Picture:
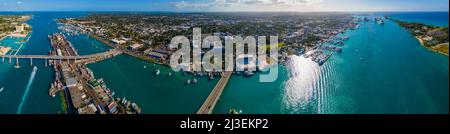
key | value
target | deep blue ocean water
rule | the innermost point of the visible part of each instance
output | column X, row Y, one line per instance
column 429, row 18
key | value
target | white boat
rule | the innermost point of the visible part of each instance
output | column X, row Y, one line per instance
column 194, row 81
column 170, row 74
column 17, row 66
column 145, row 66
column 188, row 82
column 248, row 73
column 157, row 72
column 1, row 89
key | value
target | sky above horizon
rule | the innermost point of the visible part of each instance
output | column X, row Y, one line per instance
column 224, row 5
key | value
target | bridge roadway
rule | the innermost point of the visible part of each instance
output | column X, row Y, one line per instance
column 211, row 101
column 206, row 108
column 49, row 57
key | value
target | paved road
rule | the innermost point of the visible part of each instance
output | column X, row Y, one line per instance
column 210, row 102
column 49, row 57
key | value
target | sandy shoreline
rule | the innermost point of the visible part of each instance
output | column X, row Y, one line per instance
column 431, row 48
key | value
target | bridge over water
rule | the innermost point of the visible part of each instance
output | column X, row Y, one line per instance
column 211, row 101
column 206, row 108
column 109, row 53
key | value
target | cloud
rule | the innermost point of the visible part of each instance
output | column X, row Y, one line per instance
column 250, row 5
column 19, row 2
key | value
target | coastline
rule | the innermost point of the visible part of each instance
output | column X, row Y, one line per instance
column 106, row 42
column 432, row 48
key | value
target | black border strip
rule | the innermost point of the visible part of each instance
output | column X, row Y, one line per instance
column 276, row 122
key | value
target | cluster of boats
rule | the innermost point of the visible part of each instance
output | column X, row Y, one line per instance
column 193, row 81
column 379, row 20
column 331, row 48
column 245, row 73
column 70, row 29
column 337, row 40
column 234, row 111
column 189, row 81
column 129, row 105
column 318, row 56
column 365, row 19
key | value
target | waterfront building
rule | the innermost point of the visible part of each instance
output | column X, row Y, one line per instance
column 118, row 42
column 135, row 47
column 20, row 28
column 4, row 50
column 155, row 54
column 88, row 109
column 71, row 82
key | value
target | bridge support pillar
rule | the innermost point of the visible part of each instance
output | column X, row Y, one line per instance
column 31, row 61
column 45, row 62
column 17, row 63
column 9, row 59
column 3, row 58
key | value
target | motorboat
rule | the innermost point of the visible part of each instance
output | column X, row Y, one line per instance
column 157, row 72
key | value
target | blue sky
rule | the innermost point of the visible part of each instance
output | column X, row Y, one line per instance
column 224, row 5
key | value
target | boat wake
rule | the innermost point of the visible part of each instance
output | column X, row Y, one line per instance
column 27, row 90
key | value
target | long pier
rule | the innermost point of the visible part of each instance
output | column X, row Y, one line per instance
column 211, row 101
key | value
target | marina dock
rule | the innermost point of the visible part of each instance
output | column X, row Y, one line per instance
column 83, row 94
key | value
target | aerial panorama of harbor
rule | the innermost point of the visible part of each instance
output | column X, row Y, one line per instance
column 329, row 63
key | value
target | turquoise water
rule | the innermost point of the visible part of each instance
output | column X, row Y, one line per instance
column 128, row 77
column 15, row 81
column 13, row 42
column 396, row 75
column 86, row 45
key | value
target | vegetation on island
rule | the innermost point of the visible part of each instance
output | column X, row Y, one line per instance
column 432, row 37
column 9, row 24
column 14, row 26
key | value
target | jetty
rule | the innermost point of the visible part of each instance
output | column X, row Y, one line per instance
column 211, row 101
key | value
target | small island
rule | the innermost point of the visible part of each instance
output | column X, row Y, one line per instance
column 432, row 37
